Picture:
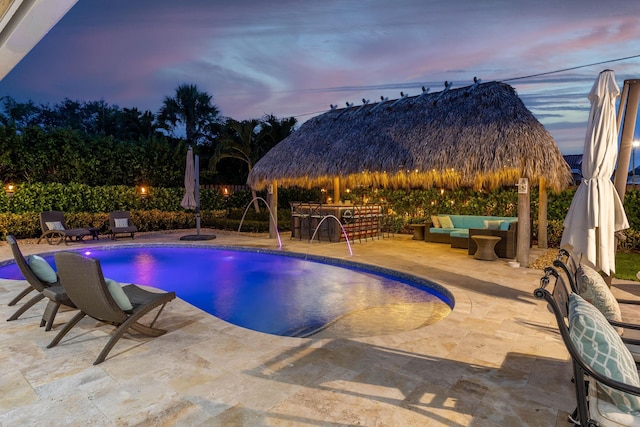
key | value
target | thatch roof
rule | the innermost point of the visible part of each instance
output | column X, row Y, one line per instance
column 481, row 136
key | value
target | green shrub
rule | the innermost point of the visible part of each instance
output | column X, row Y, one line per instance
column 160, row 209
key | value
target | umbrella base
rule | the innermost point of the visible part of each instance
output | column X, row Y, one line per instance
column 196, row 237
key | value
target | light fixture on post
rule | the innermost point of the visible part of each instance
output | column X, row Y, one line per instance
column 143, row 193
column 9, row 190
column 226, row 193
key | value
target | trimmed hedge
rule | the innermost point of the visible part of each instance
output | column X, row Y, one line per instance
column 27, row 225
column 160, row 210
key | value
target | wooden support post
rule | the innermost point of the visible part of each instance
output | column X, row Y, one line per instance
column 628, row 110
column 336, row 189
column 273, row 205
column 524, row 222
column 542, row 214
column 632, row 90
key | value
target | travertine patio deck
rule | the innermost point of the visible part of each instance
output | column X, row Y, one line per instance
column 495, row 361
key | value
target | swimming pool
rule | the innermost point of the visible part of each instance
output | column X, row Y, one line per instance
column 273, row 292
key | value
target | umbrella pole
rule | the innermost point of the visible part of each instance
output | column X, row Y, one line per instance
column 197, row 192
column 192, row 198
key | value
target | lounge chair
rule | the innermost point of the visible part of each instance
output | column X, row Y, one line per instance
column 54, row 229
column 588, row 283
column 604, row 373
column 57, row 295
column 85, row 284
column 120, row 223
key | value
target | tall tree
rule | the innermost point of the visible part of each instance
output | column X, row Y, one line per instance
column 192, row 110
column 274, row 130
column 20, row 115
column 240, row 142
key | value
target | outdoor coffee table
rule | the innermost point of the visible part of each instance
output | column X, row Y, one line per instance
column 418, row 231
column 486, row 247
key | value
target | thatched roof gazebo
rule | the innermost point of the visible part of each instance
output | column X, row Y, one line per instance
column 481, row 136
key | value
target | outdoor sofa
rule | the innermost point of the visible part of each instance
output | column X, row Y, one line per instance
column 458, row 229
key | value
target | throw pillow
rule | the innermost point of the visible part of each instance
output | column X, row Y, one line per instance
column 603, row 350
column 54, row 225
column 445, row 221
column 593, row 288
column 121, row 222
column 42, row 269
column 115, row 289
column 435, row 221
column 504, row 226
column 491, row 224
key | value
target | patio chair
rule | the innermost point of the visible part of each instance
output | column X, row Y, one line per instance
column 57, row 295
column 588, row 283
column 54, row 229
column 120, row 223
column 85, row 284
column 605, row 375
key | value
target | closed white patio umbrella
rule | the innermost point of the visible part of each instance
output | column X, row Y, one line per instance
column 596, row 211
column 191, row 199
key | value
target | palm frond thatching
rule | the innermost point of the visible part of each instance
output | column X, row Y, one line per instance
column 480, row 136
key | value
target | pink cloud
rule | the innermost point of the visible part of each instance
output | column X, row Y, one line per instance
column 288, row 58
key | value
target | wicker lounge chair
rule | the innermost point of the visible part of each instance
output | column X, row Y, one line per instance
column 595, row 405
column 598, row 293
column 82, row 278
column 54, row 229
column 57, row 295
column 120, row 223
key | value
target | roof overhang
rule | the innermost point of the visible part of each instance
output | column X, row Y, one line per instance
column 23, row 23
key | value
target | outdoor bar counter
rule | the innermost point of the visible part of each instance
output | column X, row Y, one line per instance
column 359, row 221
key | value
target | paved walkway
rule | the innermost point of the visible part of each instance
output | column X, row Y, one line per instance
column 496, row 360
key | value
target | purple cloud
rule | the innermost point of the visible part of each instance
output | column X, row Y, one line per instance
column 290, row 58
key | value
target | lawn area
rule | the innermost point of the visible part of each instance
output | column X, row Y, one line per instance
column 627, row 265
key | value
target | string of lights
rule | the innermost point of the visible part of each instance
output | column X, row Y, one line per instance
column 546, row 73
column 562, row 70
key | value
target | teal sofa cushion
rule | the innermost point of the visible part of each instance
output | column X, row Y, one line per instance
column 441, row 230
column 478, row 221
column 460, row 233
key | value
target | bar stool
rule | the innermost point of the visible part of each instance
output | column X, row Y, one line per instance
column 385, row 220
column 296, row 220
column 315, row 212
column 360, row 221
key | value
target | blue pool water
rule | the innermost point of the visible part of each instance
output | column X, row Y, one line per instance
column 268, row 292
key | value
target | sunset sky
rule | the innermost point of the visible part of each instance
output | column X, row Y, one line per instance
column 295, row 58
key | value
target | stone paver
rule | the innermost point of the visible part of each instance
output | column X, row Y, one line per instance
column 496, row 360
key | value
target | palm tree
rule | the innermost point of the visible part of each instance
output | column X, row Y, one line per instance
column 189, row 108
column 240, row 142
column 249, row 140
column 274, row 130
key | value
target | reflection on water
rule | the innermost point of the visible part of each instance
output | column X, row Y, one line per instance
column 278, row 294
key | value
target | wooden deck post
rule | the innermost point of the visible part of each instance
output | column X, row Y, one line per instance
column 336, row 189
column 524, row 222
column 542, row 213
column 273, row 205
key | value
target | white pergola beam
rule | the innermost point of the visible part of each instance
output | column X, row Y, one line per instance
column 23, row 24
